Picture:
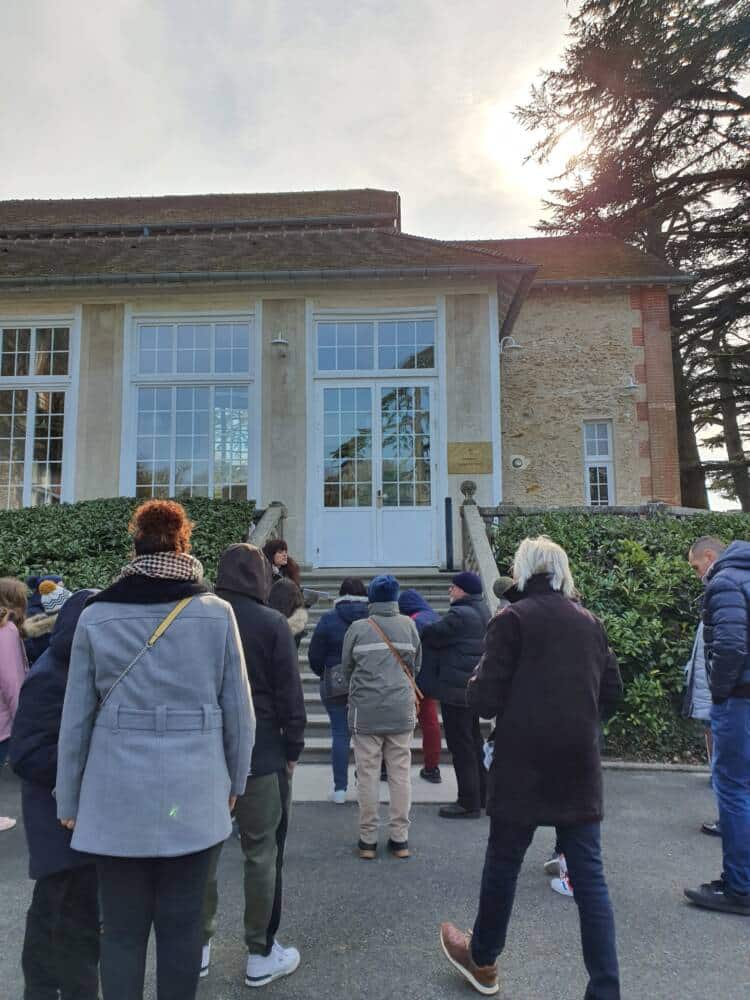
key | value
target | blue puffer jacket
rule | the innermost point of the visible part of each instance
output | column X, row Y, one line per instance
column 328, row 637
column 726, row 617
column 33, row 747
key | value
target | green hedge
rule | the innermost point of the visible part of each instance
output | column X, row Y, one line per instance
column 87, row 543
column 633, row 573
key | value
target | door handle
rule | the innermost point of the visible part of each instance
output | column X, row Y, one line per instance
column 379, row 498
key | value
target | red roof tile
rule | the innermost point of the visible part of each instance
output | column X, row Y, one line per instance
column 576, row 258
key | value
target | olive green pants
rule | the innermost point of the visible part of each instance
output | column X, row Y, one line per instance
column 262, row 814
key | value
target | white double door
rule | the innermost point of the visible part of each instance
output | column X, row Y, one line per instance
column 376, row 500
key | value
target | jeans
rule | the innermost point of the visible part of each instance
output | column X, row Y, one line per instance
column 730, row 725
column 464, row 739
column 582, row 848
column 262, row 814
column 136, row 893
column 337, row 713
column 61, row 944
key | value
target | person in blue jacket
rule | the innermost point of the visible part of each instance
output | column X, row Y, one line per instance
column 61, row 945
column 325, row 651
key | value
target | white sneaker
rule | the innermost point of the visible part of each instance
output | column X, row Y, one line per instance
column 552, row 867
column 562, row 885
column 263, row 969
column 338, row 796
column 205, row 959
column 6, row 823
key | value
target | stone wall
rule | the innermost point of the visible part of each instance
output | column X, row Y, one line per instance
column 578, row 351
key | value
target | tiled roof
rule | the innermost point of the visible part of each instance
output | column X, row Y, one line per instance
column 201, row 208
column 262, row 256
column 577, row 258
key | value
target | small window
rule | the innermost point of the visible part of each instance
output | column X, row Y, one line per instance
column 599, row 477
column 387, row 345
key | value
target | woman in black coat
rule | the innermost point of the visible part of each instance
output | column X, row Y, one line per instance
column 61, row 946
column 546, row 672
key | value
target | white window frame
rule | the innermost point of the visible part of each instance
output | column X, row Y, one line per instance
column 375, row 316
column 599, row 460
column 34, row 384
column 133, row 381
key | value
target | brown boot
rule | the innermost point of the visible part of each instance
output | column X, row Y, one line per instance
column 367, row 852
column 456, row 946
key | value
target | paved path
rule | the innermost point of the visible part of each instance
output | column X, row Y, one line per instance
column 368, row 931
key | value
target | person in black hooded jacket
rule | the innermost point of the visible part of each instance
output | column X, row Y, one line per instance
column 262, row 812
column 61, row 945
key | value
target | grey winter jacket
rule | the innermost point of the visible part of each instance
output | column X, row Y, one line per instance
column 698, row 694
column 150, row 774
column 381, row 699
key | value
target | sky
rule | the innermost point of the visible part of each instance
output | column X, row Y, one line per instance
column 144, row 97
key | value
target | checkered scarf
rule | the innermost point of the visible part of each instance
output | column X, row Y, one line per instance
column 165, row 566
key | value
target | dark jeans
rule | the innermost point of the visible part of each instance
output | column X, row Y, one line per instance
column 61, row 945
column 136, row 893
column 464, row 739
column 337, row 713
column 262, row 814
column 582, row 848
column 730, row 725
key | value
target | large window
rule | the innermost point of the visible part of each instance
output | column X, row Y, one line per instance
column 193, row 386
column 599, row 475
column 383, row 345
column 35, row 378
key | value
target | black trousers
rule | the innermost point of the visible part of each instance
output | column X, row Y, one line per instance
column 464, row 739
column 139, row 892
column 61, row 944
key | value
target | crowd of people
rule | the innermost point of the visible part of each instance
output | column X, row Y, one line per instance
column 145, row 717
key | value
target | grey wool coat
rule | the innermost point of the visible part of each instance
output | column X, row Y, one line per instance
column 150, row 774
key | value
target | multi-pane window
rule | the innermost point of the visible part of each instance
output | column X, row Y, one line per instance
column 347, row 421
column 598, row 463
column 405, row 429
column 385, row 345
column 193, row 410
column 34, row 387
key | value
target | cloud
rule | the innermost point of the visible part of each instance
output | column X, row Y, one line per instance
column 147, row 97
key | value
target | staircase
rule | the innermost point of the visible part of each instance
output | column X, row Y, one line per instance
column 431, row 583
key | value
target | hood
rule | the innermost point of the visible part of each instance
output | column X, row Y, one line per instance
column 298, row 621
column 38, row 625
column 383, row 608
column 735, row 556
column 35, row 600
column 350, row 608
column 61, row 639
column 411, row 602
column 244, row 569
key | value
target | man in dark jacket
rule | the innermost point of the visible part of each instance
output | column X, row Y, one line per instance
column 61, row 946
column 545, row 675
column 451, row 650
column 244, row 581
column 726, row 632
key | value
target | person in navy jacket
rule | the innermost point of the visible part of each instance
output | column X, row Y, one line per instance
column 726, row 633
column 325, row 651
column 61, row 945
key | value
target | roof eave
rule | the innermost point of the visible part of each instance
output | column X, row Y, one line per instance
column 649, row 279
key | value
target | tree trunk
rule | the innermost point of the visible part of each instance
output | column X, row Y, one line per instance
column 729, row 420
column 692, row 477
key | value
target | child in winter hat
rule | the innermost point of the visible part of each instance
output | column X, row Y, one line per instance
column 54, row 595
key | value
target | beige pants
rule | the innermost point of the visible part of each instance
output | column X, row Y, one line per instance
column 395, row 749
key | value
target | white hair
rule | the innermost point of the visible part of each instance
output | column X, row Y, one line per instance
column 542, row 555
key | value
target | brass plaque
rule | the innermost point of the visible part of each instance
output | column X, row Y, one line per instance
column 470, row 458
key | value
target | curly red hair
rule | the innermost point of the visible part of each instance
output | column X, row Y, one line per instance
column 160, row 526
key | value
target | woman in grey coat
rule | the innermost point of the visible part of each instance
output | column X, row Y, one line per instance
column 155, row 744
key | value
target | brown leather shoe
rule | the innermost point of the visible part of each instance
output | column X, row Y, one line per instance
column 456, row 946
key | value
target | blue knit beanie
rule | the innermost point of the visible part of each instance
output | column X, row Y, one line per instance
column 383, row 589
column 470, row 583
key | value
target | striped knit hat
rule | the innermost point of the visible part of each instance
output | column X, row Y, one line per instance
column 54, row 595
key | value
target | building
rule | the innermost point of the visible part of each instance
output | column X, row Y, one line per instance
column 300, row 347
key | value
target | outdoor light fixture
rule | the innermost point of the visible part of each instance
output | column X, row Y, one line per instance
column 280, row 345
column 509, row 344
column 630, row 385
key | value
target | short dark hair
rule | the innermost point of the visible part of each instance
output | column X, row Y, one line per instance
column 160, row 526
column 352, row 586
column 706, row 543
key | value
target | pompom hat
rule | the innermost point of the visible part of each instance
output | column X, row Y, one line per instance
column 54, row 595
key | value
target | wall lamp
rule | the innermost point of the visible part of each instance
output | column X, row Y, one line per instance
column 631, row 386
column 280, row 345
column 509, row 344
